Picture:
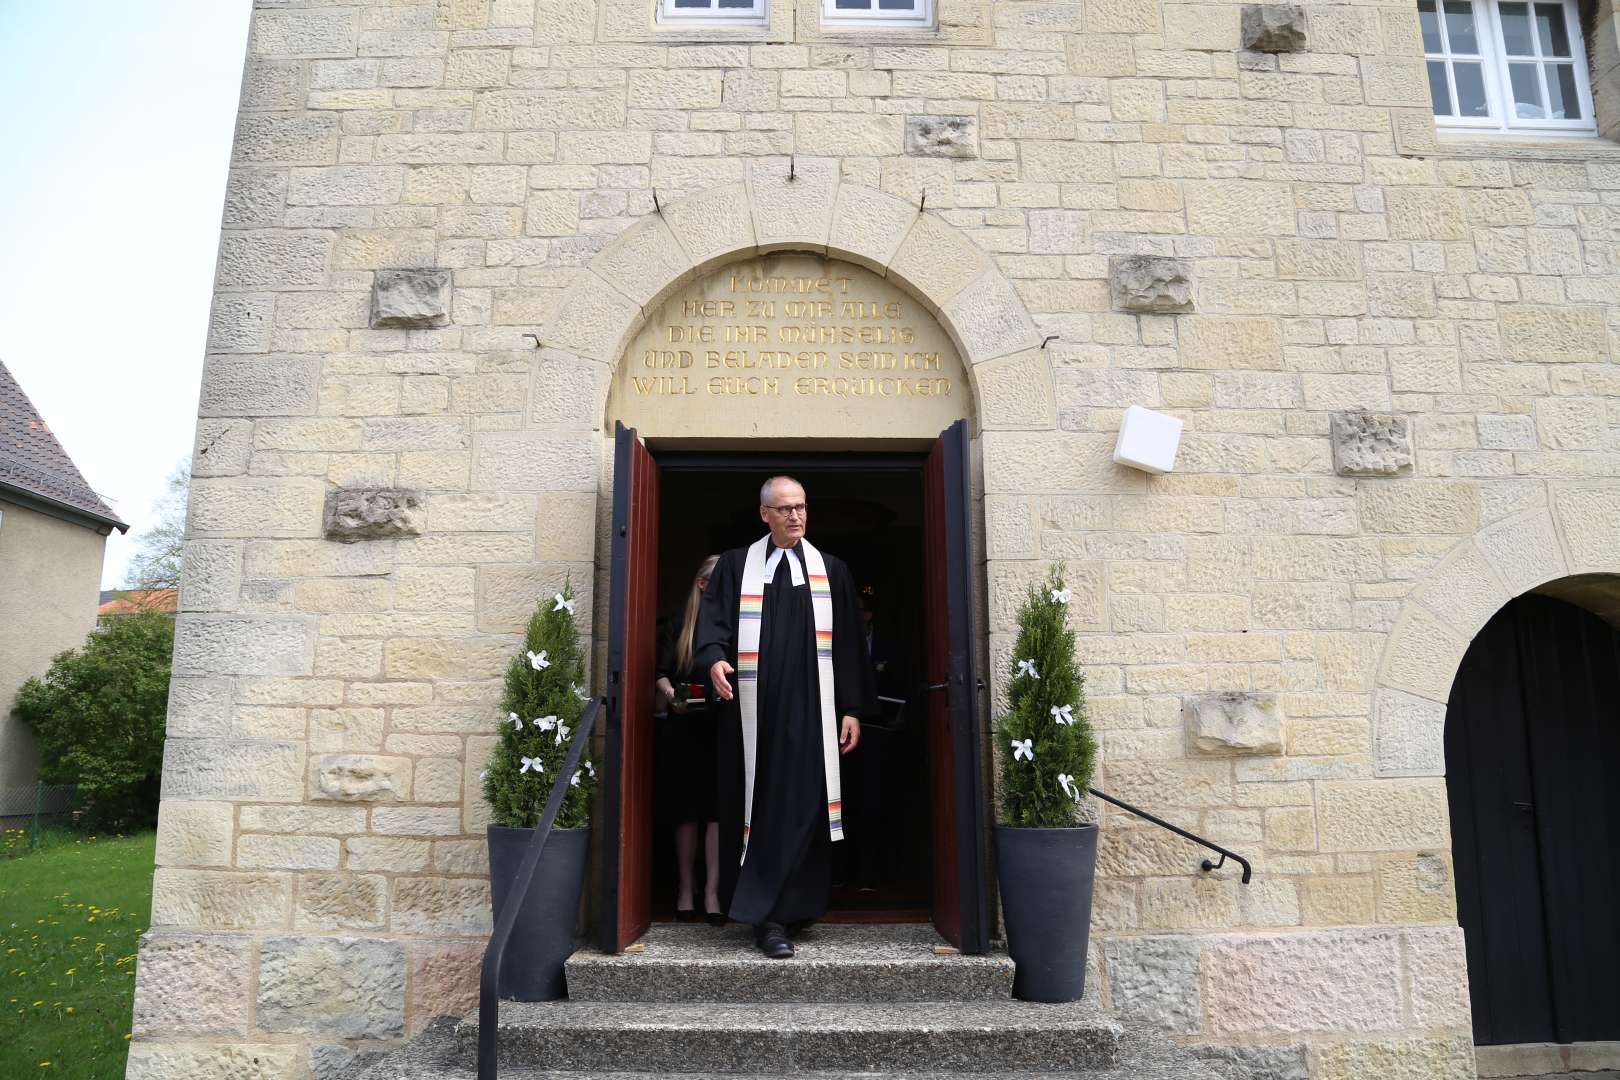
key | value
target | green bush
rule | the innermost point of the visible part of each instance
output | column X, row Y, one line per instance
column 99, row 718
column 541, row 706
column 1036, row 742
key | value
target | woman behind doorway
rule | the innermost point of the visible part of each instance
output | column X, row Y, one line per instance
column 686, row 758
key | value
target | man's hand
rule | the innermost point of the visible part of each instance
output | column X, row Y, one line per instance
column 850, row 737
column 717, row 675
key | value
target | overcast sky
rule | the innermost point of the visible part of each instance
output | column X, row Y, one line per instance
column 115, row 134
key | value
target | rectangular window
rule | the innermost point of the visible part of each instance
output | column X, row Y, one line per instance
column 1507, row 65
column 711, row 12
column 905, row 13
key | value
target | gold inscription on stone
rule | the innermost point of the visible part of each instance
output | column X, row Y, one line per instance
column 781, row 333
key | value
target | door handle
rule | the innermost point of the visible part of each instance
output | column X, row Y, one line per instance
column 930, row 688
column 1525, row 808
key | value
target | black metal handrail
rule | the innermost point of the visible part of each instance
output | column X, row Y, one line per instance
column 489, row 982
column 1183, row 833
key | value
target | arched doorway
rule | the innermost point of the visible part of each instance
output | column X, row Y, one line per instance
column 1532, row 752
column 792, row 362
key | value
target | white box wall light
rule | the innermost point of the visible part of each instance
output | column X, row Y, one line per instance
column 1148, row 440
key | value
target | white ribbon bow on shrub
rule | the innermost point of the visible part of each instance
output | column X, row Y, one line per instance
column 1025, row 749
column 573, row 781
column 1063, row 714
column 579, row 692
column 1060, row 595
column 562, row 732
column 531, row 763
column 1027, row 667
column 545, row 723
column 564, row 605
column 1066, row 782
column 517, row 721
column 538, row 660
column 591, row 769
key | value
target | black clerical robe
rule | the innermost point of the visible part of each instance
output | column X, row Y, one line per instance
column 787, row 873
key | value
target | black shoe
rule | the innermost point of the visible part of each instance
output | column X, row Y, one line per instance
column 685, row 914
column 772, row 941
column 715, row 918
column 799, row 926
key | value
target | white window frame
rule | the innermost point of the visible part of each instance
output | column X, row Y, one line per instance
column 713, row 15
column 1494, row 61
column 921, row 16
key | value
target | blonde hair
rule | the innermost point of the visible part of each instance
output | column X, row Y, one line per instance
column 694, row 599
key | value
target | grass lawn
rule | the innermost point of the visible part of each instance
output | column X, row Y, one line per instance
column 70, row 914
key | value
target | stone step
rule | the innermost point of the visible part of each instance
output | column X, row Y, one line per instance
column 765, row 1039
column 438, row 1054
column 834, row 964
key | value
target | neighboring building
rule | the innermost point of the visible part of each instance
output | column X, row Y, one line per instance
column 119, row 602
column 1367, row 253
column 53, row 532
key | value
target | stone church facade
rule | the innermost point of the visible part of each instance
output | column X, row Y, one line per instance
column 446, row 225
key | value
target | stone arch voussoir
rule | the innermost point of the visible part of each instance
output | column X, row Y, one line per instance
column 1576, row 532
column 811, row 211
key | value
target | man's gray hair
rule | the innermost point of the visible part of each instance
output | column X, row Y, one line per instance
column 765, row 495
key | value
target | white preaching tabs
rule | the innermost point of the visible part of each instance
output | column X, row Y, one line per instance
column 793, row 565
column 1148, row 440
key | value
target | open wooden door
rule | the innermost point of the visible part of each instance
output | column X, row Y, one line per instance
column 956, row 778
column 627, row 790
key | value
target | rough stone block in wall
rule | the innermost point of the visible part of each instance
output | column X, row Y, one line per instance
column 410, row 298
column 942, row 136
column 1234, row 722
column 1155, row 980
column 1150, row 283
column 360, row 778
column 1370, row 444
column 355, row 514
column 1273, row 28
column 193, row 984
column 343, row 988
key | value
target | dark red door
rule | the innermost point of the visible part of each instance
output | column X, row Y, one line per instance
column 627, row 794
column 956, row 779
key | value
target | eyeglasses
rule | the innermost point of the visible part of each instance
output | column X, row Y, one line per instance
column 796, row 510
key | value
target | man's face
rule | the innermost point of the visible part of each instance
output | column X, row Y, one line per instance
column 785, row 513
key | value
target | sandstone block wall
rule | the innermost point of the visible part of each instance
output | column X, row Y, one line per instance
column 334, row 701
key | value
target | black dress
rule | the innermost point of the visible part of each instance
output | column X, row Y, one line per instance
column 788, row 870
column 684, row 762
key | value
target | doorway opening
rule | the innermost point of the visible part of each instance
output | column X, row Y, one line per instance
column 1532, row 746
column 867, row 509
column 914, row 790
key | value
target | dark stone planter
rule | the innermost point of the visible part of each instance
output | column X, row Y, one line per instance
column 543, row 937
column 1046, row 877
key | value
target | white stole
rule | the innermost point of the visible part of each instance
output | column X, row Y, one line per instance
column 750, row 613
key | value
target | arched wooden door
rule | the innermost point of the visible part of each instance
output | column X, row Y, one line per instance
column 1533, row 776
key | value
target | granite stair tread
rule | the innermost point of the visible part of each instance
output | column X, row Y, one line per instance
column 441, row 1053
column 834, row 963
column 727, row 1037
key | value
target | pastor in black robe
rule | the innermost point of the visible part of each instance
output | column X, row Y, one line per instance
column 788, row 870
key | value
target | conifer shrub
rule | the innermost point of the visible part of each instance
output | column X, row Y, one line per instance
column 1044, row 741
column 544, row 697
